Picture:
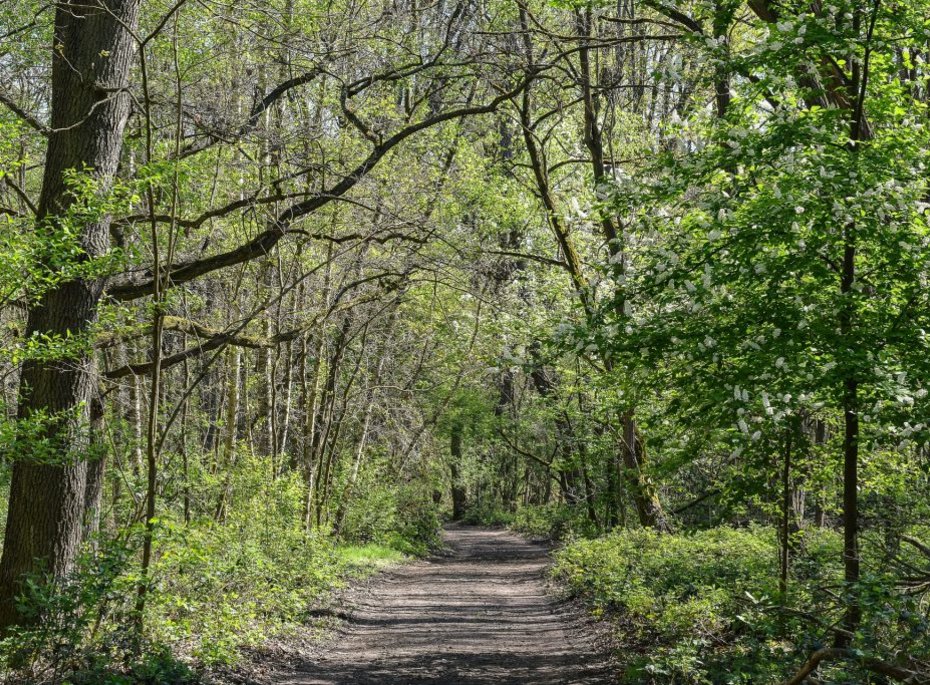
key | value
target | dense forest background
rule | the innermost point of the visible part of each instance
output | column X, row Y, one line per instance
column 284, row 284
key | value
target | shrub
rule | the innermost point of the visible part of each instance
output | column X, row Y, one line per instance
column 418, row 527
column 487, row 513
column 552, row 521
column 691, row 607
column 215, row 587
column 704, row 607
column 402, row 516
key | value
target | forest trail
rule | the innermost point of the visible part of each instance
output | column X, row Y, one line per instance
column 480, row 615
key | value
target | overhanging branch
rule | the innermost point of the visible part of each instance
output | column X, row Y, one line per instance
column 282, row 225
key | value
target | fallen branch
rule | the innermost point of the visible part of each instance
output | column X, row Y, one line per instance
column 869, row 663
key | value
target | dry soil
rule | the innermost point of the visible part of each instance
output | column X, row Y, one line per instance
column 478, row 615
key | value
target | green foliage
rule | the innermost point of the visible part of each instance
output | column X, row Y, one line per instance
column 687, row 606
column 216, row 587
column 553, row 521
column 400, row 516
column 704, row 607
column 368, row 556
column 487, row 512
column 724, row 323
column 417, row 529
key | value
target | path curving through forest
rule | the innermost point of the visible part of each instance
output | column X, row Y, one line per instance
column 479, row 615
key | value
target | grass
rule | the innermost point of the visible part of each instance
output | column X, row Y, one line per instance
column 368, row 558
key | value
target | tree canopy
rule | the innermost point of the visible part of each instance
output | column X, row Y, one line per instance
column 286, row 284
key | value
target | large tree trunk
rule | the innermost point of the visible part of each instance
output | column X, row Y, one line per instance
column 645, row 496
column 90, row 69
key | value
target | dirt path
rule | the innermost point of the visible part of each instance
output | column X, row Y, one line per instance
column 478, row 616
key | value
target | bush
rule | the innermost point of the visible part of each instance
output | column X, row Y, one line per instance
column 215, row 587
column 704, row 607
column 418, row 529
column 487, row 513
column 551, row 521
column 692, row 608
column 399, row 515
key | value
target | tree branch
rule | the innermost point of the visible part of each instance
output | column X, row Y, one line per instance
column 262, row 244
column 23, row 114
column 258, row 109
column 869, row 663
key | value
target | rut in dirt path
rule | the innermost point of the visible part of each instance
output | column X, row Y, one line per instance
column 478, row 616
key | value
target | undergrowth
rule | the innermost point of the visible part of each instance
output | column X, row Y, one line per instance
column 217, row 587
column 704, row 607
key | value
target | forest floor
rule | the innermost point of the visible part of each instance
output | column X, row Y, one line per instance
column 481, row 613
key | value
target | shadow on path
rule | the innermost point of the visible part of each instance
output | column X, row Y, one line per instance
column 477, row 617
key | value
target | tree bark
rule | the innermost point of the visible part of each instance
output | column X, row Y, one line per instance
column 89, row 106
column 785, row 559
column 96, row 470
column 232, row 429
column 370, row 400
column 458, row 488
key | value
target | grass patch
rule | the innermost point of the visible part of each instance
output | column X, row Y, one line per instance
column 368, row 558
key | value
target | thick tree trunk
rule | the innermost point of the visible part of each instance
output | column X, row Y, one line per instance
column 851, row 510
column 723, row 18
column 645, row 498
column 847, row 320
column 90, row 69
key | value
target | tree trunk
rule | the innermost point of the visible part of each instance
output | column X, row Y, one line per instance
column 632, row 450
column 325, row 420
column 265, row 443
column 785, row 520
column 311, row 411
column 370, row 400
column 458, row 488
column 356, row 467
column 96, row 470
column 232, row 429
column 648, row 507
column 91, row 60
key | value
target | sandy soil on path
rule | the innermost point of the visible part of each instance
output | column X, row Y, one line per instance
column 477, row 616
